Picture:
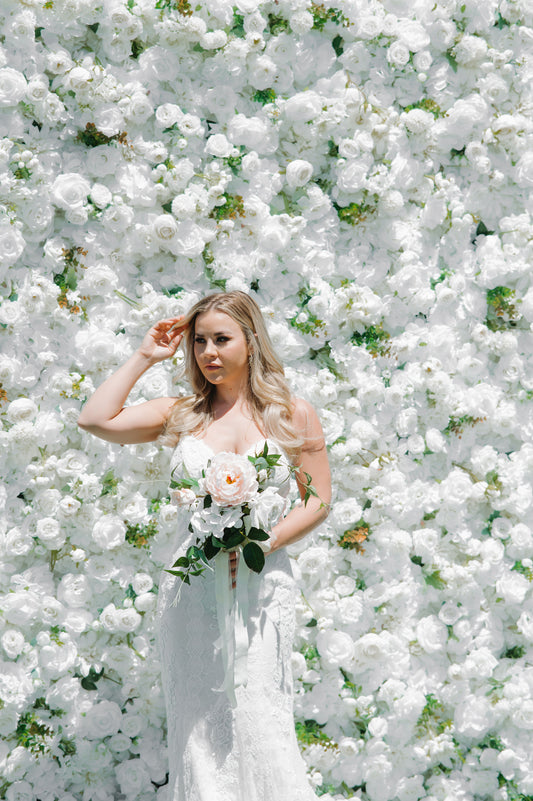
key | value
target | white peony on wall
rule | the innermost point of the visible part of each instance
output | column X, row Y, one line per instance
column 365, row 170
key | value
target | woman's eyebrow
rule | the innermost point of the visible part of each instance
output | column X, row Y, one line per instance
column 217, row 334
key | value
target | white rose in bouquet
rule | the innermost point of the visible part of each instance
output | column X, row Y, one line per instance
column 184, row 497
column 267, row 509
column 215, row 518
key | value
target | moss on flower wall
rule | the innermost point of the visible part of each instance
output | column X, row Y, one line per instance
column 364, row 169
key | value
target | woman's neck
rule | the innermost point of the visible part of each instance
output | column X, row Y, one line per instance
column 227, row 397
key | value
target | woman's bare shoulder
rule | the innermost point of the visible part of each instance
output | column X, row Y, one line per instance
column 305, row 419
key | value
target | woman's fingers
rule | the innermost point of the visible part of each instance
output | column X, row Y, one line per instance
column 168, row 332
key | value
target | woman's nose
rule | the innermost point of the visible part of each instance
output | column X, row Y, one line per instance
column 210, row 348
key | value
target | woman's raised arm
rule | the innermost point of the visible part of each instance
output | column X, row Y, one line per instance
column 104, row 414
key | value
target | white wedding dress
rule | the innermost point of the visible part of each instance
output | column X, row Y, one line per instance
column 219, row 749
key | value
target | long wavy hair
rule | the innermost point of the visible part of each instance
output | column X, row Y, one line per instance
column 269, row 397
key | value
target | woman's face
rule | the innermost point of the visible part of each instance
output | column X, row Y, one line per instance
column 220, row 348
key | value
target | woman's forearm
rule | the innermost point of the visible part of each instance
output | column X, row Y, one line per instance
column 299, row 522
column 109, row 398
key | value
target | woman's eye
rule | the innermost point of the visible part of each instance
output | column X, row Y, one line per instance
column 222, row 339
column 198, row 339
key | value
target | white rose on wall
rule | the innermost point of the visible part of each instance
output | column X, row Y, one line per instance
column 432, row 634
column 109, row 532
column 49, row 532
column 218, row 145
column 103, row 719
column 11, row 244
column 298, row 173
column 12, row 86
column 12, row 642
column 336, row 649
column 69, row 191
column 252, row 132
column 134, row 778
column 74, row 590
column 364, row 240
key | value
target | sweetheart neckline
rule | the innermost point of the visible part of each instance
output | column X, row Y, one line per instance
column 246, row 452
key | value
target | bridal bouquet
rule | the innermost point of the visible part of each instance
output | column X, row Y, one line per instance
column 232, row 506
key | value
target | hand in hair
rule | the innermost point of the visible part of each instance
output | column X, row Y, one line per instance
column 163, row 339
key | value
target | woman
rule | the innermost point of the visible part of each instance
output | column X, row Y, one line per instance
column 230, row 731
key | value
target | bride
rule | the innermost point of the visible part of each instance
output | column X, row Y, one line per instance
column 231, row 730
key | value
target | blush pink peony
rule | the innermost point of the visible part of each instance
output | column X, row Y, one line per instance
column 231, row 479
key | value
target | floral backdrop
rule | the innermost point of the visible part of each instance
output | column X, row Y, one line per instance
column 364, row 168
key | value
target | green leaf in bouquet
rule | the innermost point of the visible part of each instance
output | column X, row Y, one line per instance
column 254, row 557
column 232, row 537
column 179, row 573
column 258, row 534
column 211, row 548
column 194, row 553
column 189, row 482
column 208, row 501
column 183, row 561
column 309, row 489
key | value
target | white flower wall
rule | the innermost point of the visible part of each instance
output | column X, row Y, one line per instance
column 365, row 170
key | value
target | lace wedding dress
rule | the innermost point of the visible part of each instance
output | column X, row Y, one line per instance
column 222, row 748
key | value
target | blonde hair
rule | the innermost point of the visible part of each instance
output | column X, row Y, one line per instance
column 269, row 397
